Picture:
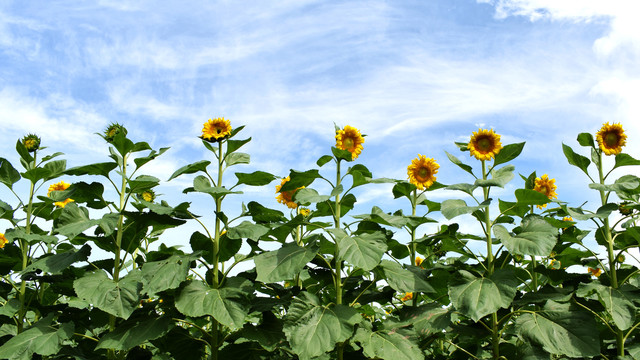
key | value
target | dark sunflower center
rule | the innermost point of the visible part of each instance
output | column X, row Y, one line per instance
column 218, row 130
column 484, row 144
column 424, row 173
column 348, row 143
column 611, row 139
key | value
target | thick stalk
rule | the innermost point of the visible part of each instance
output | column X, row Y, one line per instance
column 298, row 281
column 495, row 333
column 338, row 261
column 24, row 247
column 215, row 326
column 413, row 246
column 610, row 254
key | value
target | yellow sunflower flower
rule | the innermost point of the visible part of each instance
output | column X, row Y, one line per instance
column 419, row 261
column 611, row 138
column 59, row 187
column 351, row 140
column 484, row 144
column 216, row 129
column 3, row 240
column 285, row 197
column 546, row 186
column 422, row 172
column 595, row 272
column 305, row 212
column 407, row 296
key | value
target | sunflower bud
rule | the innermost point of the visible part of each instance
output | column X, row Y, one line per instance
column 624, row 208
column 113, row 130
column 148, row 195
column 31, row 142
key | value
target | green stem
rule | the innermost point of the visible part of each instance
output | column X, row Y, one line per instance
column 24, row 247
column 336, row 257
column 298, row 281
column 413, row 247
column 495, row 333
column 216, row 256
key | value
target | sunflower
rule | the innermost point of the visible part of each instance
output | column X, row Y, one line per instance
column 148, row 195
column 546, row 186
column 611, row 138
column 407, row 296
column 216, row 129
column 305, row 212
column 31, row 142
column 3, row 240
column 422, row 172
column 59, row 187
column 419, row 261
column 284, row 197
column 351, row 140
column 484, row 144
column 595, row 272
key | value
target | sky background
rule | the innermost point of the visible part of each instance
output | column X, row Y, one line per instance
column 414, row 76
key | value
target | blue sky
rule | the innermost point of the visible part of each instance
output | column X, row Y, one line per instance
column 415, row 76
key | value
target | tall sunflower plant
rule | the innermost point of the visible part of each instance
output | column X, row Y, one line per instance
column 612, row 296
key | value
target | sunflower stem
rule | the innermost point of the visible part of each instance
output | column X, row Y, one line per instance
column 413, row 246
column 24, row 247
column 336, row 257
column 495, row 333
column 215, row 326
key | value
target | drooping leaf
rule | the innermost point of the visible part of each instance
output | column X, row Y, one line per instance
column 191, row 168
column 136, row 332
column 387, row 345
column 145, row 159
column 237, row 158
column 615, row 301
column 42, row 338
column 462, row 165
column 166, row 274
column 455, row 207
column 283, row 263
column 54, row 264
column 534, row 237
column 308, row 196
column 364, row 251
column 576, row 159
column 299, row 179
column 426, row 319
column 508, row 153
column 247, row 230
column 8, row 174
column 102, row 169
column 379, row 216
column 623, row 159
column 477, row 297
column 405, row 280
column 116, row 298
column 256, row 178
column 530, row 197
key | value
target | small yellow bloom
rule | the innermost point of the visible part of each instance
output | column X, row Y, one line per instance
column 595, row 272
column 422, row 171
column 484, row 144
column 148, row 195
column 567, row 218
column 59, row 187
column 305, row 212
column 611, row 138
column 546, row 186
column 351, row 140
column 407, row 296
column 216, row 129
column 418, row 261
column 31, row 142
column 284, row 197
column 3, row 240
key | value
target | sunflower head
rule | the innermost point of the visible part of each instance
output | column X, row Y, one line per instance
column 216, row 130
column 305, row 212
column 113, row 130
column 419, row 261
column 407, row 296
column 484, row 144
column 611, row 138
column 285, row 197
column 31, row 142
column 546, row 186
column 60, row 186
column 3, row 240
column 422, row 171
column 148, row 195
column 351, row 140
column 595, row 272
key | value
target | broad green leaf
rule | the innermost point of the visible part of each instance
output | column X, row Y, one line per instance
column 228, row 304
column 634, row 350
column 341, row 154
column 55, row 264
column 380, row 217
column 530, row 197
column 313, row 329
column 615, row 301
column 387, row 345
column 73, row 220
column 20, row 233
column 166, row 274
column 426, row 319
column 308, row 196
column 233, row 145
column 133, row 333
column 202, row 184
column 602, row 212
column 264, row 215
column 561, row 332
column 142, row 182
column 119, row 299
column 36, row 174
column 191, row 168
column 323, row 160
column 498, row 178
column 455, row 207
column 623, row 159
column 284, row 263
column 576, row 159
column 466, row 188
column 508, row 153
column 268, row 334
column 55, row 168
column 145, row 159
column 403, row 188
column 628, row 183
column 364, row 251
column 586, row 139
column 247, row 230
column 457, row 161
column 8, row 174
column 256, row 178
column 405, row 280
column 237, row 158
column 299, row 179
column 10, row 307
column 42, row 338
column 534, row 237
column 360, row 174
column 477, row 297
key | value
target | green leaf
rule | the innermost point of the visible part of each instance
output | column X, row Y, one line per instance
column 576, row 159
column 405, row 280
column 629, row 182
column 166, row 274
column 36, row 174
column 623, row 159
column 73, row 220
column 42, row 338
column 8, row 174
column 456, row 207
column 477, row 297
column 530, row 197
column 323, row 160
column 388, row 345
column 313, row 329
column 341, row 154
column 247, row 230
column 55, row 264
column 561, row 331
column 403, row 188
column 360, row 174
column 427, row 320
column 191, row 168
column 284, row 263
column 136, row 332
column 615, row 301
column 508, row 153
column 227, row 304
column 262, row 215
column 364, row 251
column 145, row 159
column 602, row 212
column 202, row 184
column 55, row 168
column 457, row 161
column 308, row 196
column 586, row 139
column 116, row 298
column 299, row 179
column 233, row 145
column 142, row 182
column 534, row 237
column 237, row 158
column 256, row 178
column 464, row 187
column 499, row 177
column 380, row 217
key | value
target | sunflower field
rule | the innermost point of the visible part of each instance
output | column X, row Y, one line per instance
column 317, row 281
